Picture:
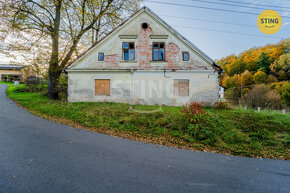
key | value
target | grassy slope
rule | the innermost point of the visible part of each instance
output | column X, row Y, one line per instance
column 238, row 132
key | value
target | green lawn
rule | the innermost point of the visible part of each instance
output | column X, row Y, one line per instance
column 7, row 83
column 237, row 132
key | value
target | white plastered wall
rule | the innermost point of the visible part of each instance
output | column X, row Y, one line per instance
column 144, row 87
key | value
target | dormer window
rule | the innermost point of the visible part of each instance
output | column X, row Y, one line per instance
column 158, row 51
column 101, row 57
column 185, row 56
column 128, row 51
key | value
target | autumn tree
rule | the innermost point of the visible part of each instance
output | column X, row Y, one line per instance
column 230, row 82
column 260, row 77
column 246, row 78
column 236, row 67
column 249, row 57
column 286, row 92
column 61, row 26
column 271, row 79
column 282, row 64
column 284, row 89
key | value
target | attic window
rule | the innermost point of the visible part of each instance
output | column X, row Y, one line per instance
column 185, row 56
column 128, row 51
column 144, row 25
column 158, row 51
column 101, row 57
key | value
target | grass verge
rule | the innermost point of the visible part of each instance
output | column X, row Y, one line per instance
column 236, row 132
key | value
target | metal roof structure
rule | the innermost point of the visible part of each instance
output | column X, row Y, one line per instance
column 10, row 67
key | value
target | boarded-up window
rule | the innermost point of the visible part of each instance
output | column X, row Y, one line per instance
column 102, row 87
column 181, row 87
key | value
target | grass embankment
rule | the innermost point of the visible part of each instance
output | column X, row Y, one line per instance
column 237, row 132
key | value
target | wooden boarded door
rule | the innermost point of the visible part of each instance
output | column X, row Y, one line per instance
column 181, row 87
column 102, row 87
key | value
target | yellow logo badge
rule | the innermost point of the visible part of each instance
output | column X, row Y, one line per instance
column 269, row 21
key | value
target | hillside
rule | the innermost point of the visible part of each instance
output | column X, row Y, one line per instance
column 263, row 70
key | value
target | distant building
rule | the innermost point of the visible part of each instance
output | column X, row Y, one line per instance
column 11, row 72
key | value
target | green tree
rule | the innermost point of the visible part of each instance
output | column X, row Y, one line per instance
column 285, row 92
column 263, row 62
column 282, row 64
column 236, row 67
column 230, row 82
column 251, row 66
column 260, row 77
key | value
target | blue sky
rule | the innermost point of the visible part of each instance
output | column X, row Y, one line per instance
column 219, row 44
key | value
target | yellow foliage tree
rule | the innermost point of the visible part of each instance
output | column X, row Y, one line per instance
column 246, row 78
column 260, row 77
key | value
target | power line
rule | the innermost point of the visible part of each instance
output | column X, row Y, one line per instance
column 210, row 8
column 213, row 21
column 231, row 32
column 235, row 5
column 254, row 4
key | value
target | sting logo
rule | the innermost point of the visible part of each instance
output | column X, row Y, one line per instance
column 269, row 22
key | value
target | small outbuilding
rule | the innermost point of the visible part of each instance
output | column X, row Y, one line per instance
column 144, row 61
column 11, row 72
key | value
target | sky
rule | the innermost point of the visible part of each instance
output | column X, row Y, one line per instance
column 208, row 37
column 211, row 37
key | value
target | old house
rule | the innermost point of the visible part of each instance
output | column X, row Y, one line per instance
column 144, row 61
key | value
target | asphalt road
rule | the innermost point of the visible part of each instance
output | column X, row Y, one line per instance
column 37, row 155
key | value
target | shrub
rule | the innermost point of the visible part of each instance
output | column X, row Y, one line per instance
column 263, row 96
column 200, row 125
column 62, row 88
column 283, row 88
column 273, row 100
column 233, row 94
column 193, row 112
column 35, row 84
column 245, row 91
column 255, row 98
column 207, row 131
column 272, row 79
column 285, row 93
column 222, row 105
column 33, row 80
